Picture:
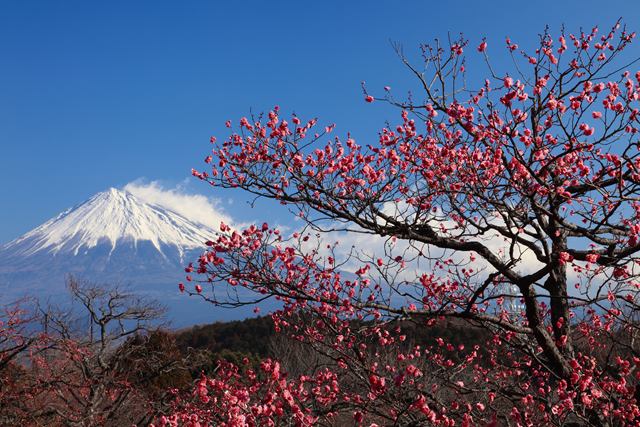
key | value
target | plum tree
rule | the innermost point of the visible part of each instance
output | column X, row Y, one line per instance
column 511, row 207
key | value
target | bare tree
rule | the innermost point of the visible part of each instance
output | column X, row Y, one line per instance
column 106, row 361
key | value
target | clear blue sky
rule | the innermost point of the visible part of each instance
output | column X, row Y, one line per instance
column 98, row 94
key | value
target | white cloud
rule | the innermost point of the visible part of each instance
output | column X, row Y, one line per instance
column 373, row 246
column 195, row 207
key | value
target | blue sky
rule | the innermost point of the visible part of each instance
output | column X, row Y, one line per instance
column 99, row 94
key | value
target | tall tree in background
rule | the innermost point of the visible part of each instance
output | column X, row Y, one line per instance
column 513, row 207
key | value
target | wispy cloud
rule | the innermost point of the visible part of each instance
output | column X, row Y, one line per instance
column 196, row 207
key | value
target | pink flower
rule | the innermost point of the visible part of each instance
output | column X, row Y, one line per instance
column 588, row 131
column 369, row 98
column 508, row 82
column 482, row 46
column 198, row 288
column 565, row 257
column 593, row 258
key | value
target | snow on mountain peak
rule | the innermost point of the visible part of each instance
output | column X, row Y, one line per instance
column 112, row 216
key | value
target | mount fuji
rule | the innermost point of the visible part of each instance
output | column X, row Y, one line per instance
column 114, row 237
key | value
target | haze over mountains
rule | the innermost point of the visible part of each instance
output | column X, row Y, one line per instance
column 114, row 237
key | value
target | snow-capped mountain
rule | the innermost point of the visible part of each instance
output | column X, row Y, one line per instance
column 112, row 217
column 112, row 237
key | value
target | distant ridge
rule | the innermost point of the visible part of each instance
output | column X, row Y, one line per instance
column 112, row 238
